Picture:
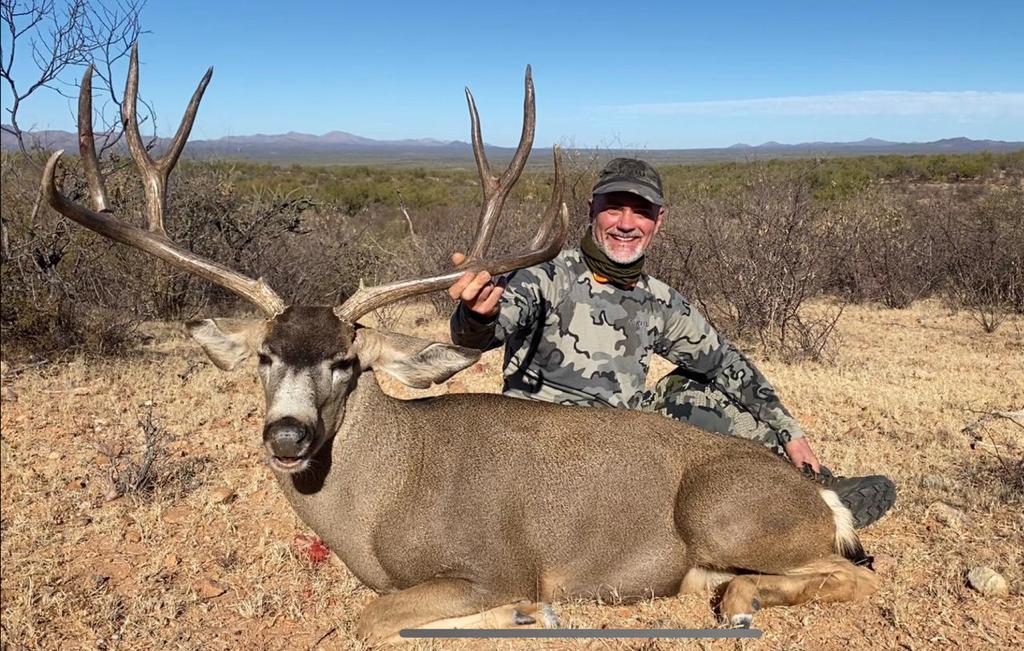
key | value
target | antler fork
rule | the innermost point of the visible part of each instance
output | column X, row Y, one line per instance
column 546, row 243
column 153, row 239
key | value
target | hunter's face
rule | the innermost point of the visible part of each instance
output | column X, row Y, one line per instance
column 624, row 224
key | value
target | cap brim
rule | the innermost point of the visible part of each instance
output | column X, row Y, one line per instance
column 632, row 188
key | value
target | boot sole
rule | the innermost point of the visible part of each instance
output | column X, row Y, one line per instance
column 870, row 501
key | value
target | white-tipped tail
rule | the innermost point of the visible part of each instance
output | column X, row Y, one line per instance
column 846, row 541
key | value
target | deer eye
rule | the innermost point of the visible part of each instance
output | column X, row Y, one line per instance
column 264, row 359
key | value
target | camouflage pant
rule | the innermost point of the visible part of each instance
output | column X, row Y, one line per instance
column 705, row 406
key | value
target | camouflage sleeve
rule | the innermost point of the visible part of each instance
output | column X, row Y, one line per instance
column 518, row 310
column 689, row 341
column 473, row 331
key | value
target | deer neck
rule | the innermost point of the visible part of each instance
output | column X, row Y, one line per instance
column 354, row 477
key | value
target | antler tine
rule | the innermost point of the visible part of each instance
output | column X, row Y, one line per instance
column 152, row 240
column 487, row 178
column 87, row 144
column 551, row 215
column 546, row 244
column 155, row 174
column 496, row 189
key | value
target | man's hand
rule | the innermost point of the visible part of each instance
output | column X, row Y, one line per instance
column 799, row 452
column 475, row 290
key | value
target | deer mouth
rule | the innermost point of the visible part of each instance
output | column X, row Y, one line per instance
column 289, row 464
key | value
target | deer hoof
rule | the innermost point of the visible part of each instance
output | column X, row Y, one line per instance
column 548, row 616
column 522, row 619
column 527, row 613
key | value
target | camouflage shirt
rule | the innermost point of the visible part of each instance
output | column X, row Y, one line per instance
column 570, row 339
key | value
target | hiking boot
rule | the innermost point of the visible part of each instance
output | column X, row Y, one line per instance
column 868, row 498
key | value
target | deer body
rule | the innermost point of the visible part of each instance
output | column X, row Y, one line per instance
column 571, row 502
column 458, row 507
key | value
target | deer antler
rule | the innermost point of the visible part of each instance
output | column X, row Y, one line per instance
column 546, row 243
column 153, row 239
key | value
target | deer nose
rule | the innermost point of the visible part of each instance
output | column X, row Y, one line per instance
column 287, row 437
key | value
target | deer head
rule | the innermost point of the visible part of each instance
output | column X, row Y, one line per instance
column 309, row 357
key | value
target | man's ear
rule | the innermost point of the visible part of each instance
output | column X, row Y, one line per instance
column 415, row 362
column 228, row 342
column 660, row 221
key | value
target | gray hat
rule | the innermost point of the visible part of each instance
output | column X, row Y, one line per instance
column 631, row 175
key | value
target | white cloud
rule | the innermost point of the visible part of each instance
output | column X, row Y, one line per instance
column 961, row 104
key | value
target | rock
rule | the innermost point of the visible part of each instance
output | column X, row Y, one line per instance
column 209, row 589
column 949, row 515
column 885, row 564
column 171, row 561
column 176, row 515
column 934, row 482
column 114, row 570
column 132, row 536
column 135, row 549
column 988, row 582
column 222, row 495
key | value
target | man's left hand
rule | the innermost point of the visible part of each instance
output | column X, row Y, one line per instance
column 799, row 452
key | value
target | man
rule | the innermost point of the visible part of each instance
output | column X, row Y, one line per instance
column 581, row 329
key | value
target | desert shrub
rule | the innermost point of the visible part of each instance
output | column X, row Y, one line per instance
column 751, row 260
column 749, row 242
column 985, row 244
column 885, row 249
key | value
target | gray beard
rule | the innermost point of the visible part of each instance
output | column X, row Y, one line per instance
column 615, row 258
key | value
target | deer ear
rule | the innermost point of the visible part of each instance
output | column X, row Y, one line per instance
column 415, row 362
column 228, row 342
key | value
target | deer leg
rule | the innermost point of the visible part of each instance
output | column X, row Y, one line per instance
column 833, row 579
column 699, row 580
column 444, row 603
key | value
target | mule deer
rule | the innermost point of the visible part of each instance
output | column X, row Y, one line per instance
column 479, row 509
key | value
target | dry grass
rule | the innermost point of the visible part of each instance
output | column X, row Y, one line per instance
column 81, row 570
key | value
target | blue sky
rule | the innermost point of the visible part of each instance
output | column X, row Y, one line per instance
column 635, row 75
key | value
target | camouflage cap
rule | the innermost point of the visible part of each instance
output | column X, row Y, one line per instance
column 631, row 175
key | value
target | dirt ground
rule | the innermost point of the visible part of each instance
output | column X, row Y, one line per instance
column 204, row 553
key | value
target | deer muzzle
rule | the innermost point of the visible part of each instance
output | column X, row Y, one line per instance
column 289, row 442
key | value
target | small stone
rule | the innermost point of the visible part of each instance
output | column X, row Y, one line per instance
column 132, row 536
column 53, row 456
column 934, row 482
column 222, row 495
column 115, row 570
column 171, row 561
column 884, row 564
column 988, row 582
column 949, row 515
column 135, row 549
column 209, row 589
column 176, row 515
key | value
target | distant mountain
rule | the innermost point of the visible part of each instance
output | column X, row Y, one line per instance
column 875, row 145
column 341, row 146
column 255, row 146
